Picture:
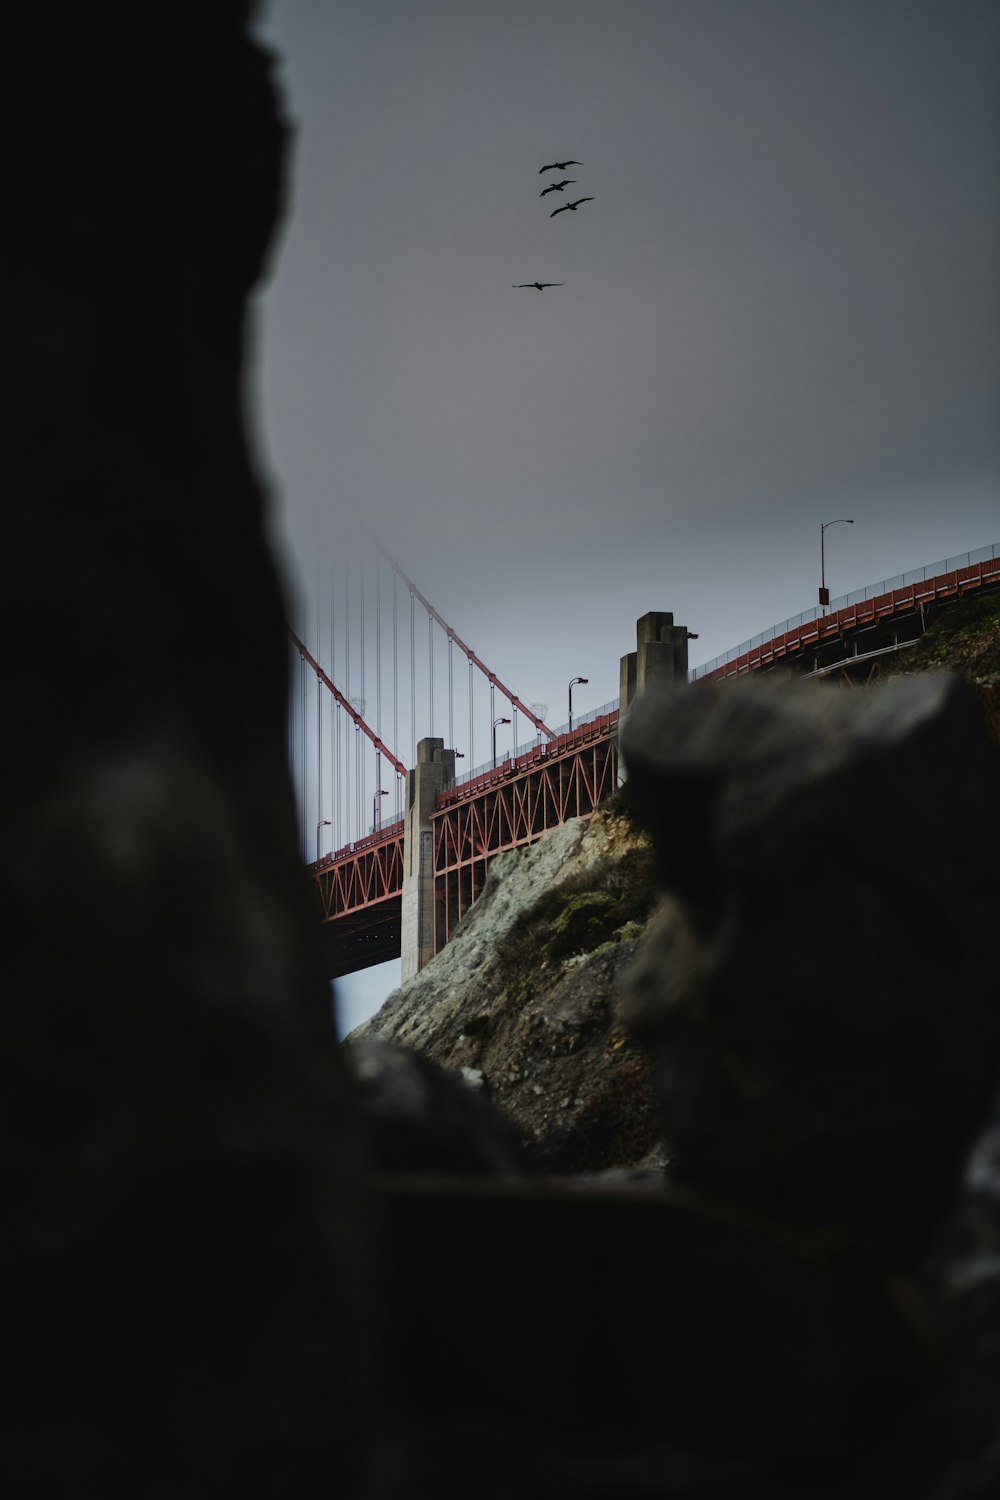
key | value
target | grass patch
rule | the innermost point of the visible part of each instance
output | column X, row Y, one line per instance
column 585, row 912
column 956, row 635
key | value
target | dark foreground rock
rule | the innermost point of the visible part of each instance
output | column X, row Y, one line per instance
column 418, row 1118
column 186, row 1254
column 820, row 996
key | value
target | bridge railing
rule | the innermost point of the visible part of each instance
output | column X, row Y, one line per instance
column 538, row 745
column 348, row 851
column 859, row 596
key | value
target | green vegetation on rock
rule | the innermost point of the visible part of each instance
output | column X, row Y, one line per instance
column 585, row 912
column 965, row 635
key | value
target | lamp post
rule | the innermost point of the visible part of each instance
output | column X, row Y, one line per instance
column 377, row 810
column 824, row 592
column 323, row 823
column 495, row 723
column 573, row 682
column 539, row 710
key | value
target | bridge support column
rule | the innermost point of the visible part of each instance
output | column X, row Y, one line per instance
column 661, row 655
column 435, row 770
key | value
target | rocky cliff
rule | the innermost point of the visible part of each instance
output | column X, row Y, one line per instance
column 523, row 1000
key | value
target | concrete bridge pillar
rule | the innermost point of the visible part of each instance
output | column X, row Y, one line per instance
column 435, row 770
column 661, row 655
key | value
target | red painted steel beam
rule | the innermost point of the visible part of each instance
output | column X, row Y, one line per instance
column 512, row 810
column 380, row 745
column 361, row 878
column 899, row 601
column 506, row 770
column 454, row 636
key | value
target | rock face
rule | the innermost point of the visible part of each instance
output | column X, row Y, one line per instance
column 820, row 995
column 186, row 1245
column 526, row 994
column 419, row 1118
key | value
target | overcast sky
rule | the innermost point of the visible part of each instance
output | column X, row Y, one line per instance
column 780, row 307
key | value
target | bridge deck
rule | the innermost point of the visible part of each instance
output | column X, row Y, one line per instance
column 811, row 635
column 519, row 800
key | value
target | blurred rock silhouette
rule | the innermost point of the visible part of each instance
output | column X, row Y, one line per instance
column 187, row 1258
column 820, row 997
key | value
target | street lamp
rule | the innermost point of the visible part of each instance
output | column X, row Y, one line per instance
column 323, row 823
column 573, row 683
column 824, row 592
column 495, row 723
column 377, row 809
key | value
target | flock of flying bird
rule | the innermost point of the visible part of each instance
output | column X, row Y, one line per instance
column 556, row 187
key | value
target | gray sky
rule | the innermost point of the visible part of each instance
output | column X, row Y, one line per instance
column 781, row 307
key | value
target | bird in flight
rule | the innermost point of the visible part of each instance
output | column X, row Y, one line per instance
column 562, row 209
column 560, row 166
column 556, row 187
column 539, row 285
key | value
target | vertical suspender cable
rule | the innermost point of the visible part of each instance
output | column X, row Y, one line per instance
column 378, row 649
column 362, row 806
column 430, row 671
column 337, row 841
column 472, row 748
column 413, row 690
column 395, row 684
column 319, row 703
column 347, row 688
column 335, row 720
column 451, row 699
column 319, row 757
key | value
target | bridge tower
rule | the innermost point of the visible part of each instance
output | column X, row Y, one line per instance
column 434, row 771
column 661, row 655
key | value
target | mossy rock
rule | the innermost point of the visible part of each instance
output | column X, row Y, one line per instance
column 596, row 907
column 586, row 920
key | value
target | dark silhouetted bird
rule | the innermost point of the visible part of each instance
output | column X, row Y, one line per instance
column 556, row 187
column 560, row 166
column 539, row 285
column 564, row 206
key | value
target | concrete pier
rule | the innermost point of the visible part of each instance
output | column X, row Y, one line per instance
column 435, row 770
column 661, row 655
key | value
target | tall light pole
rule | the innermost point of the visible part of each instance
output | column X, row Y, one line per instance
column 573, row 682
column 323, row 823
column 824, row 592
column 377, row 810
column 495, row 723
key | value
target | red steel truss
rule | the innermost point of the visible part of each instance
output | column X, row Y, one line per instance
column 362, row 873
column 513, row 805
column 360, row 890
column 812, row 634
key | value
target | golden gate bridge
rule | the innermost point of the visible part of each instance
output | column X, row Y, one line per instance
column 386, row 691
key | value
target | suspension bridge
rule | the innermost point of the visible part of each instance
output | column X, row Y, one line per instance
column 399, row 836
